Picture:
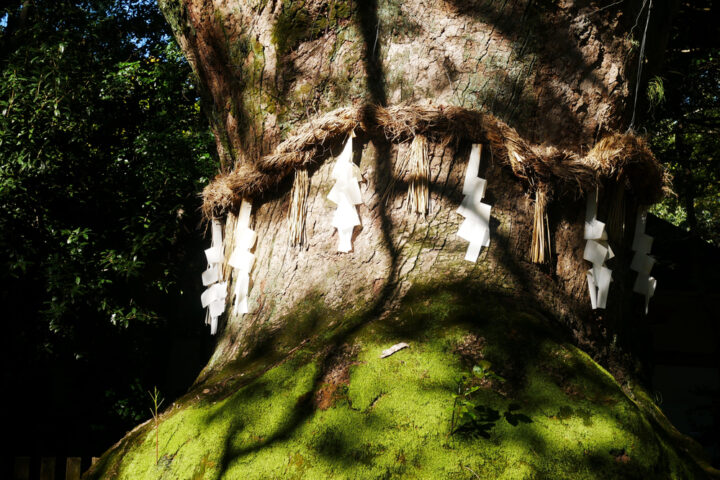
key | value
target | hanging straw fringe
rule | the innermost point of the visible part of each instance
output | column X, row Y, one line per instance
column 540, row 246
column 298, row 207
column 229, row 244
column 418, row 190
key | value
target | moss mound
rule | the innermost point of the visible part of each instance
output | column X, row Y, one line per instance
column 545, row 410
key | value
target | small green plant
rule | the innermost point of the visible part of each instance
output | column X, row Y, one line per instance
column 468, row 416
column 655, row 92
column 157, row 401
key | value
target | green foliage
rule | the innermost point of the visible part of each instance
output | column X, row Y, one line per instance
column 655, row 91
column 102, row 152
column 470, row 416
column 482, row 372
column 685, row 121
column 124, row 403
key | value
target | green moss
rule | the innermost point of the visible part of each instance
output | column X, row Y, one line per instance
column 175, row 13
column 297, row 24
column 394, row 22
column 394, row 417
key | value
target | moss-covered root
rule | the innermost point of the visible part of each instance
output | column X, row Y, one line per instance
column 555, row 413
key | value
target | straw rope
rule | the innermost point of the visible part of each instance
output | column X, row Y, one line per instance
column 618, row 156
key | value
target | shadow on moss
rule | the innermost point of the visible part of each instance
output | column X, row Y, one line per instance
column 556, row 415
column 562, row 415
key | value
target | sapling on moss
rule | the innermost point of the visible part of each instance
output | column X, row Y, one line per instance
column 468, row 416
column 157, row 401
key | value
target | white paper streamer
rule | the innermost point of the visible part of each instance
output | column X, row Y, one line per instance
column 241, row 259
column 476, row 226
column 214, row 254
column 213, row 298
column 215, row 292
column 597, row 251
column 242, row 285
column 216, row 233
column 211, row 275
column 345, row 194
column 642, row 262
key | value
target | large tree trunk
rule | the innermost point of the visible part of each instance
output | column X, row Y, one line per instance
column 560, row 74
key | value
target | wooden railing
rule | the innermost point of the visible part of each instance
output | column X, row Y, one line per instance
column 50, row 468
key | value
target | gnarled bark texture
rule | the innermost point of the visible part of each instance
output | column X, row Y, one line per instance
column 561, row 73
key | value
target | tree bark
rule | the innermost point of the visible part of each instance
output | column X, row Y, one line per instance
column 558, row 72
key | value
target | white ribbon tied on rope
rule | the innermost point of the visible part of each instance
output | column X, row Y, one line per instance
column 346, row 194
column 241, row 259
column 642, row 262
column 213, row 298
column 476, row 226
column 597, row 251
